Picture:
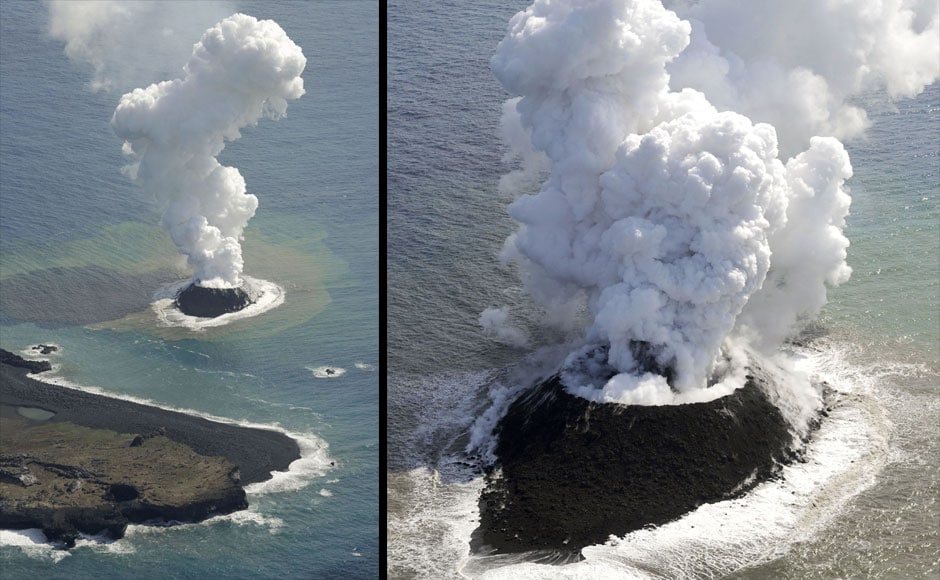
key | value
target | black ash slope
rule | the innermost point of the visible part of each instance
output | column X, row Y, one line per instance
column 570, row 473
column 196, row 300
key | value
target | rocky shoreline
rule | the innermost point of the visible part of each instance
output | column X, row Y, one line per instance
column 570, row 473
column 97, row 463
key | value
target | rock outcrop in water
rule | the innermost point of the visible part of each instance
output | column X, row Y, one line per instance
column 15, row 360
column 570, row 473
column 196, row 300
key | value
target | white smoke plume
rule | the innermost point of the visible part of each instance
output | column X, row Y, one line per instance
column 797, row 64
column 533, row 163
column 241, row 70
column 131, row 44
column 669, row 211
column 495, row 323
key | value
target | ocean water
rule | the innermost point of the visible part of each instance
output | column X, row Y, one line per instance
column 81, row 256
column 866, row 502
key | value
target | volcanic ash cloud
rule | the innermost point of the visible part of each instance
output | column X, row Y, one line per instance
column 241, row 70
column 674, row 220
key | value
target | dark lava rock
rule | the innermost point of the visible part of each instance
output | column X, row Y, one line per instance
column 122, row 492
column 45, row 348
column 15, row 360
column 64, row 525
column 570, row 473
column 195, row 300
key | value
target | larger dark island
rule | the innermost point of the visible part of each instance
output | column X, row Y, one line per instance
column 72, row 462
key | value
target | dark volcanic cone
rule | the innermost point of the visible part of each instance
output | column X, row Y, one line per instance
column 570, row 473
column 196, row 300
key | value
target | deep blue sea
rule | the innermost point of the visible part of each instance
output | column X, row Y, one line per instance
column 76, row 237
column 864, row 505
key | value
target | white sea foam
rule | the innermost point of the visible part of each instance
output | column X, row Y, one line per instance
column 430, row 538
column 28, row 537
column 252, row 517
column 135, row 532
column 438, row 499
column 33, row 543
column 248, row 517
column 364, row 366
column 34, row 353
column 104, row 544
column 327, row 372
column 264, row 296
column 315, row 461
column 445, row 409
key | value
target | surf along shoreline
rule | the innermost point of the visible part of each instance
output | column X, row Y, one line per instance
column 245, row 455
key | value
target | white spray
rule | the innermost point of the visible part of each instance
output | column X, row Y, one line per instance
column 670, row 217
column 131, row 44
column 241, row 70
column 495, row 323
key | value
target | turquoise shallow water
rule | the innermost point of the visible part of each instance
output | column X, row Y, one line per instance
column 878, row 338
column 69, row 216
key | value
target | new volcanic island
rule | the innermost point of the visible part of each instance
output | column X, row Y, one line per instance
column 570, row 472
column 202, row 302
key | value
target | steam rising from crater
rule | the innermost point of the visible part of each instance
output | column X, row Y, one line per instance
column 241, row 70
column 672, row 218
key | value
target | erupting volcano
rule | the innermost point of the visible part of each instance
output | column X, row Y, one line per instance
column 688, row 237
column 241, row 70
